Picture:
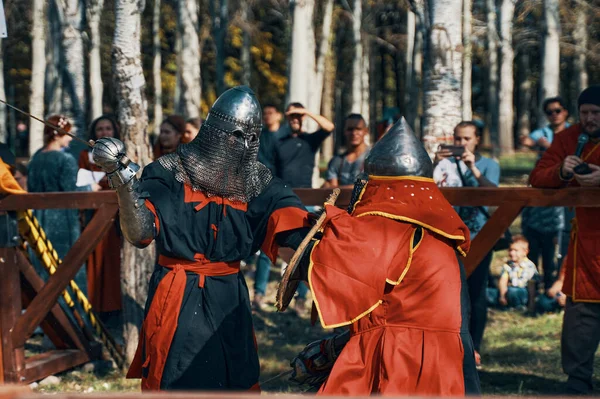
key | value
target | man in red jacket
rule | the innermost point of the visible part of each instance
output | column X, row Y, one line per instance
column 559, row 167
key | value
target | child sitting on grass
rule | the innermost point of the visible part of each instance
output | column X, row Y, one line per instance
column 516, row 274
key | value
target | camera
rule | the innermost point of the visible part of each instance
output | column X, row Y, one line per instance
column 456, row 150
column 582, row 169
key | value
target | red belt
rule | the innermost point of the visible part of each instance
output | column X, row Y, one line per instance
column 160, row 323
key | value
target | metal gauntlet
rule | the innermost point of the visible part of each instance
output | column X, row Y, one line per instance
column 137, row 222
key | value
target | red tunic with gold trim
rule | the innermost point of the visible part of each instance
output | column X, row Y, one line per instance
column 198, row 331
column 582, row 266
column 390, row 271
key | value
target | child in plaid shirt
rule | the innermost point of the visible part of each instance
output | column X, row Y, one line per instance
column 516, row 274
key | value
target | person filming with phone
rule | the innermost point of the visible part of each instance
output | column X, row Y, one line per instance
column 461, row 165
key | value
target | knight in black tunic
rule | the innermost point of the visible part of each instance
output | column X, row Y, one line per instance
column 207, row 206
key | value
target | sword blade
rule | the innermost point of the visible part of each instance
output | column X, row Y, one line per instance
column 89, row 144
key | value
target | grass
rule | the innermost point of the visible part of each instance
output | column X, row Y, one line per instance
column 520, row 354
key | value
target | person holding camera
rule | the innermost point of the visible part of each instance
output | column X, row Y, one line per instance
column 573, row 160
column 461, row 165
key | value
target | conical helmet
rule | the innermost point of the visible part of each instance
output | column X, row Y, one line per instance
column 399, row 153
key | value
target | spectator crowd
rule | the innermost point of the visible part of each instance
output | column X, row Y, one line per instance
column 290, row 152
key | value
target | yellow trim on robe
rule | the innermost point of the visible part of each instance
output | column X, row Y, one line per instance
column 316, row 302
column 413, row 249
column 360, row 195
column 417, row 222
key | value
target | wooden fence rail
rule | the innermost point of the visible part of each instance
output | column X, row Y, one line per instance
column 18, row 280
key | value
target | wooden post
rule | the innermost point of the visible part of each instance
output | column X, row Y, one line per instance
column 12, row 360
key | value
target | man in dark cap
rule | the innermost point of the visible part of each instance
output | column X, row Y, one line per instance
column 573, row 160
column 389, row 271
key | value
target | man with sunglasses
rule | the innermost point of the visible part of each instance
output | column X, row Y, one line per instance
column 543, row 225
column 559, row 168
column 557, row 114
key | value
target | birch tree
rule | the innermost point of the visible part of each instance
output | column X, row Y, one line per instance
column 467, row 112
column 506, row 122
column 442, row 83
column 3, row 131
column 357, row 60
column 38, row 71
column 129, row 84
column 302, row 60
column 72, row 17
column 156, row 66
column 220, row 17
column 245, row 50
column 492, row 84
column 94, row 13
column 191, row 89
column 550, row 63
column 580, row 37
column 524, row 93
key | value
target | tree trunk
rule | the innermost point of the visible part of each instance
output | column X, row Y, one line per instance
column 357, row 60
column 72, row 12
column 442, row 89
column 492, row 86
column 3, row 130
column 506, row 122
column 38, row 71
column 324, row 51
column 54, row 70
column 191, row 89
column 365, row 106
column 245, row 50
column 302, row 64
column 129, row 84
column 94, row 13
column 156, row 67
column 415, row 84
column 467, row 111
column 220, row 23
column 580, row 36
column 524, row 94
column 550, row 63
column 408, row 64
column 327, row 103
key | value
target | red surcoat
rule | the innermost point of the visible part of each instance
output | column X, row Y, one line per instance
column 582, row 266
column 390, row 272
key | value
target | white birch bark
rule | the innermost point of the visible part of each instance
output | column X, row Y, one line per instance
column 550, row 63
column 302, row 64
column 156, row 66
column 129, row 86
column 408, row 62
column 324, row 49
column 492, row 86
column 72, row 45
column 38, row 72
column 3, row 130
column 467, row 111
column 94, row 13
column 442, row 87
column 191, row 89
column 357, row 60
column 220, row 13
column 580, row 36
column 365, row 106
column 506, row 120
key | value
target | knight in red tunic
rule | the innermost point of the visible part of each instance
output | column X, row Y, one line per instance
column 389, row 271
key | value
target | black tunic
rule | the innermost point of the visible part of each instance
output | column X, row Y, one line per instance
column 213, row 346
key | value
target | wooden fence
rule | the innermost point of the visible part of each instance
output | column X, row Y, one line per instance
column 22, row 288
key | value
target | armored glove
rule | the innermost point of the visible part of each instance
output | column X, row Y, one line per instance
column 313, row 365
column 109, row 154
